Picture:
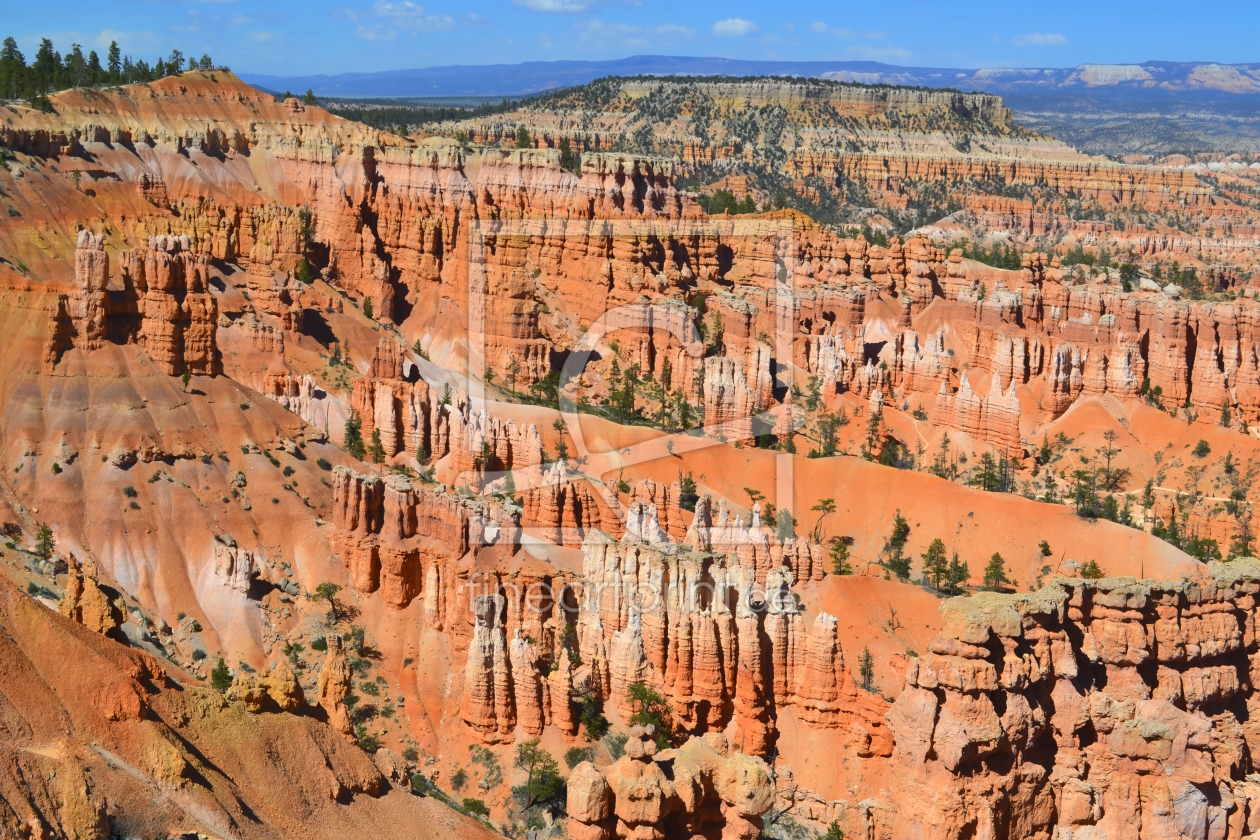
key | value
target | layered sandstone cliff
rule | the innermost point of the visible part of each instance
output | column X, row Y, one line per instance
column 164, row 305
column 1115, row 708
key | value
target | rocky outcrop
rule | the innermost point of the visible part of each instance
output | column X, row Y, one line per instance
column 371, row 511
column 275, row 689
column 698, row 790
column 334, row 684
column 702, row 630
column 165, row 305
column 993, row 418
column 1091, row 708
column 302, row 395
column 85, row 602
column 487, row 705
column 562, row 510
column 852, row 313
column 235, row 566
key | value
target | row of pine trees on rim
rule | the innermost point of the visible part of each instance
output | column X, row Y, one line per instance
column 51, row 71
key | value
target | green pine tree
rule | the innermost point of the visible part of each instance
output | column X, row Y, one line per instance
column 220, row 676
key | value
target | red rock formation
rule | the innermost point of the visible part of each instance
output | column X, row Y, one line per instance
column 301, row 395
column 487, row 706
column 682, row 623
column 235, row 566
column 561, row 511
column 708, row 792
column 994, row 418
column 527, row 685
column 334, row 684
column 85, row 602
column 1063, row 669
column 165, row 306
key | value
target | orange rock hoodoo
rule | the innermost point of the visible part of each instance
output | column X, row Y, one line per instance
column 496, row 241
column 1113, row 708
column 1089, row 709
column 653, row 794
column 708, row 617
column 164, row 305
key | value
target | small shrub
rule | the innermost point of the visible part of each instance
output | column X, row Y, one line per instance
column 36, row 591
column 1092, row 571
column 459, row 778
column 475, row 807
column 130, row 492
column 198, row 655
column 244, row 406
column 323, row 464
column 195, row 627
column 133, row 504
column 56, row 468
column 320, row 643
column 866, row 669
column 1201, row 449
column 410, row 754
column 616, row 744
column 576, row 755
column 367, row 742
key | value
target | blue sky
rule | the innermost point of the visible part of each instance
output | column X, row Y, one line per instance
column 285, row 37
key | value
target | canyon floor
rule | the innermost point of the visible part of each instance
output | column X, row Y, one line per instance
column 346, row 471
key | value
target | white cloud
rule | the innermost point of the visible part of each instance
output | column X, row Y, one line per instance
column 1039, row 39
column 877, row 53
column 601, row 27
column 127, row 41
column 410, row 16
column 377, row 32
column 845, row 34
column 734, row 27
column 553, row 5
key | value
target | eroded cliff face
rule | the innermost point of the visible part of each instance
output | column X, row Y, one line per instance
column 709, row 619
column 496, row 261
column 1115, row 708
column 241, row 241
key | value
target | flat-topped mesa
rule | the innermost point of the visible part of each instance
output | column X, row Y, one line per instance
column 164, row 306
column 1072, row 708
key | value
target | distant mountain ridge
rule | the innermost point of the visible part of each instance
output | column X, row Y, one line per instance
column 1151, row 79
